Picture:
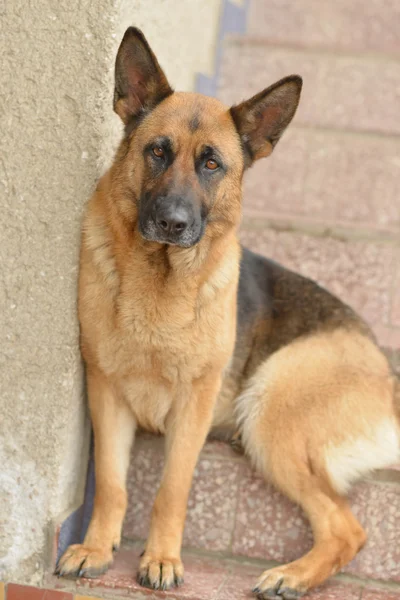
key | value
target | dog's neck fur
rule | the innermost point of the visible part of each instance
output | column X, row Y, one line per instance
column 166, row 267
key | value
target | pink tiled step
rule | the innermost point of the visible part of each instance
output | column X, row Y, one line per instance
column 337, row 90
column 328, row 182
column 211, row 578
column 354, row 26
column 232, row 511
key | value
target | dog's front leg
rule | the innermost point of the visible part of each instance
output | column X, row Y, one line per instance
column 114, row 428
column 187, row 428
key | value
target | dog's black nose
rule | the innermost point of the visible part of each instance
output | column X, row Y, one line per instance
column 172, row 220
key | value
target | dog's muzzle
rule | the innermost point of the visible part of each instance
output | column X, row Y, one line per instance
column 172, row 221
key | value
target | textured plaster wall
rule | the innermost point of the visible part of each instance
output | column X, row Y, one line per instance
column 57, row 134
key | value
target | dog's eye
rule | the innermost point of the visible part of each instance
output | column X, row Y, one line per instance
column 212, row 164
column 158, row 152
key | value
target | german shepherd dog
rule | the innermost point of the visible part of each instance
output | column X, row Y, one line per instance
column 184, row 332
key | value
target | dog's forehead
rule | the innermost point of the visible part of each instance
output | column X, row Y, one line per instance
column 186, row 113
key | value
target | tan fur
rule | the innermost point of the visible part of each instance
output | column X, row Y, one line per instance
column 312, row 403
column 302, row 414
column 161, row 354
column 299, row 393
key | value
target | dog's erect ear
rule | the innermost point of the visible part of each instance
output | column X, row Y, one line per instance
column 261, row 120
column 140, row 83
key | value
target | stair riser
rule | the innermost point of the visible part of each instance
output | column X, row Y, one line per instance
column 337, row 90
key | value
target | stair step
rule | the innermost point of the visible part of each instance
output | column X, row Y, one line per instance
column 337, row 90
column 233, row 511
column 355, row 26
column 327, row 171
column 206, row 578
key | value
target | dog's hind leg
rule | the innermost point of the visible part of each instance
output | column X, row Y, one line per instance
column 337, row 538
column 317, row 415
column 114, row 428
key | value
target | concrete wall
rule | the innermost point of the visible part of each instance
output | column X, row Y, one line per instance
column 57, row 134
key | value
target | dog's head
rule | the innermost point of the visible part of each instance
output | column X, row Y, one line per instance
column 185, row 153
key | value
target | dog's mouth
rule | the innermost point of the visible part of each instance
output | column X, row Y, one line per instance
column 185, row 239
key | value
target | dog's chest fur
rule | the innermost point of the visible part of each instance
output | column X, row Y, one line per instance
column 151, row 333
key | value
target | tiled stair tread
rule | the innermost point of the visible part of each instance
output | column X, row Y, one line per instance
column 212, row 448
column 233, row 511
column 206, row 578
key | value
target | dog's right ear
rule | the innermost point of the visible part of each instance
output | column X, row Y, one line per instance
column 140, row 83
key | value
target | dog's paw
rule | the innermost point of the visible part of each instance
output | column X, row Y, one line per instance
column 160, row 573
column 279, row 584
column 81, row 561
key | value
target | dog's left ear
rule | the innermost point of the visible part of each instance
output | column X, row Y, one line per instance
column 261, row 120
column 140, row 83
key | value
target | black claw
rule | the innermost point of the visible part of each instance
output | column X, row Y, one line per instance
column 81, row 571
column 290, row 593
column 68, row 574
column 278, row 584
column 256, row 590
column 58, row 570
column 271, row 594
column 154, row 586
column 143, row 580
